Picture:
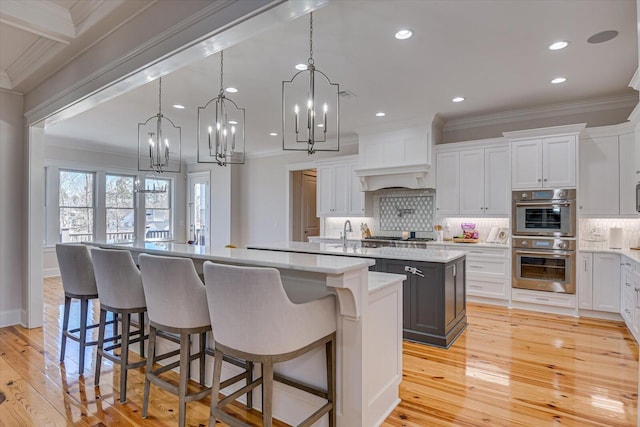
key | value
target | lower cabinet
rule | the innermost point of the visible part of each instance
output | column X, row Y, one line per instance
column 630, row 309
column 434, row 300
column 598, row 277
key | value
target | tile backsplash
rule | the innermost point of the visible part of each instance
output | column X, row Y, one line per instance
column 483, row 225
column 404, row 210
column 594, row 232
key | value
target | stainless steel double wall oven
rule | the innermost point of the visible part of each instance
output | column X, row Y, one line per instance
column 544, row 246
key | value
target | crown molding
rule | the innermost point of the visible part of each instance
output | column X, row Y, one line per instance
column 5, row 81
column 591, row 105
column 545, row 132
column 612, row 130
column 635, row 80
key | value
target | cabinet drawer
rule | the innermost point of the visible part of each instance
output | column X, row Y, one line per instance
column 488, row 288
column 487, row 266
column 544, row 298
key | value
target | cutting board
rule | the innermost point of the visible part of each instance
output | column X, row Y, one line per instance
column 457, row 240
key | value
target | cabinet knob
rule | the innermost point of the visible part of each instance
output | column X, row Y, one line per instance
column 539, row 180
column 545, row 180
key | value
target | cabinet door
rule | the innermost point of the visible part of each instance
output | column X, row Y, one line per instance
column 637, row 154
column 599, row 176
column 559, row 162
column 325, row 190
column 497, row 187
column 460, row 282
column 636, row 303
column 627, row 174
column 628, row 297
column 606, row 282
column 526, row 164
column 356, row 199
column 584, row 280
column 427, row 300
column 447, row 183
column 472, row 182
column 397, row 267
column 341, row 188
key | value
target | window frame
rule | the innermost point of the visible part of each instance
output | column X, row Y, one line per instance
column 170, row 209
column 134, row 206
column 93, row 208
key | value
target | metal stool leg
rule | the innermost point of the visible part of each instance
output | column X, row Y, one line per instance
column 124, row 356
column 150, row 360
column 184, row 378
column 84, row 312
column 65, row 326
column 101, row 328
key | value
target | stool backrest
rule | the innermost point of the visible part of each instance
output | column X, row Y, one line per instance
column 175, row 294
column 76, row 269
column 119, row 280
column 251, row 312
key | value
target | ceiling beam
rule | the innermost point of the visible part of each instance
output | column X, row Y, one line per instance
column 40, row 17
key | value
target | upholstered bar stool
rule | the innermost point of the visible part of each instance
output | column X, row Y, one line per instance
column 120, row 291
column 78, row 281
column 177, row 304
column 253, row 319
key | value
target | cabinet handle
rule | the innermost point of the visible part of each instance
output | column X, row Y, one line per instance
column 542, row 299
column 476, row 266
column 585, row 265
column 539, row 180
column 485, row 208
column 545, row 180
column 475, row 286
column 414, row 270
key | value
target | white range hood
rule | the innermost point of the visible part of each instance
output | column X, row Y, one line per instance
column 397, row 158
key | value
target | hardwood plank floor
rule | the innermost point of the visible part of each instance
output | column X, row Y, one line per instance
column 509, row 368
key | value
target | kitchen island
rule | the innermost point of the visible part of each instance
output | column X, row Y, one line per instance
column 434, row 294
column 369, row 334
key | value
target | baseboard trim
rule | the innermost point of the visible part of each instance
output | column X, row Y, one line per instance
column 50, row 272
column 10, row 317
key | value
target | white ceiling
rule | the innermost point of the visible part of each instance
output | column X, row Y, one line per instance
column 493, row 52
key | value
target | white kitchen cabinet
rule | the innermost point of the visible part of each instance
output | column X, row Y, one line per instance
column 447, row 183
column 473, row 181
column 637, row 154
column 628, row 153
column 598, row 281
column 606, row 282
column 338, row 191
column 544, row 162
column 488, row 272
column 599, row 167
column 606, row 171
column 584, row 279
column 630, row 301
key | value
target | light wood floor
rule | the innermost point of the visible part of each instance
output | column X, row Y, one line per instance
column 509, row 368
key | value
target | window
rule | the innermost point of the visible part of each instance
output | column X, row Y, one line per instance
column 158, row 210
column 76, row 204
column 120, row 208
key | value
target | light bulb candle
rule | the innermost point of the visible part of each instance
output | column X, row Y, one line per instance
column 296, row 110
column 325, row 107
column 217, row 138
column 209, row 136
column 233, row 138
column 309, row 115
column 166, row 150
column 224, row 139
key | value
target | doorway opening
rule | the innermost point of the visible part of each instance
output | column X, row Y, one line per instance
column 304, row 220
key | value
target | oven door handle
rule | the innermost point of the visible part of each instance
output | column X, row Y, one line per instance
column 527, row 204
column 555, row 254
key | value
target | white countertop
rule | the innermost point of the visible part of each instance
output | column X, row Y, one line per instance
column 295, row 261
column 471, row 245
column 406, row 254
column 632, row 255
column 379, row 281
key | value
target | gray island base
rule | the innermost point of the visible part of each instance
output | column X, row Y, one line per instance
column 433, row 296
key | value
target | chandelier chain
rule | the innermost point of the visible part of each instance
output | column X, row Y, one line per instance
column 160, row 96
column 221, row 74
column 311, row 38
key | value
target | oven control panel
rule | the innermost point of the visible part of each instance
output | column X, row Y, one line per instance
column 548, row 244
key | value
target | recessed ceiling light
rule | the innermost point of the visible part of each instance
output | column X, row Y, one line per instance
column 602, row 36
column 458, row 99
column 233, row 122
column 178, row 106
column 301, row 67
column 559, row 45
column 273, row 134
column 404, row 34
column 231, row 89
column 381, row 114
column 559, row 80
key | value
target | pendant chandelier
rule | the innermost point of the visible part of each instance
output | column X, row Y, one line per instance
column 310, row 109
column 221, row 128
column 159, row 142
column 149, row 185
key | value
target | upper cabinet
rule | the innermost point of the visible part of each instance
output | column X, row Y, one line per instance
column 472, row 178
column 338, row 191
column 544, row 163
column 606, row 170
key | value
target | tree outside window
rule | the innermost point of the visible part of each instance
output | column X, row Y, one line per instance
column 158, row 210
column 120, row 208
column 76, row 204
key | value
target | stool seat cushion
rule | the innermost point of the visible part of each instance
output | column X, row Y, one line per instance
column 171, row 282
column 251, row 312
column 119, row 280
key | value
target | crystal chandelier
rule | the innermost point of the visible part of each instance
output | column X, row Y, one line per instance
column 159, row 142
column 221, row 128
column 311, row 102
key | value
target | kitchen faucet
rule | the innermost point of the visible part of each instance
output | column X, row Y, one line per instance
column 344, row 232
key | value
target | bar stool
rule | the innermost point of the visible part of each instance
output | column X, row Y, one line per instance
column 253, row 319
column 120, row 291
column 78, row 281
column 176, row 303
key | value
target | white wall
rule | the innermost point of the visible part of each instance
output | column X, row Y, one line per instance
column 12, row 207
column 262, row 212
